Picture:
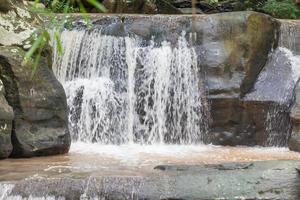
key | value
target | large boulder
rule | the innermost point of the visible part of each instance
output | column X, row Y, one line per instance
column 39, row 118
column 235, row 49
column 39, row 103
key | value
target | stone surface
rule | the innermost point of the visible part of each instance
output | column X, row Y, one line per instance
column 16, row 23
column 38, row 124
column 294, row 142
column 6, row 117
column 255, row 180
column 39, row 103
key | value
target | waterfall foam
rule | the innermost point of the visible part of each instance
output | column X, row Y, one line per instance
column 120, row 90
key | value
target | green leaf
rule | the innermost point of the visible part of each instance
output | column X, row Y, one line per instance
column 97, row 5
column 58, row 42
column 33, row 48
column 36, row 62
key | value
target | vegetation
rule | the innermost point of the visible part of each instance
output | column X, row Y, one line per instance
column 278, row 8
column 286, row 9
column 42, row 36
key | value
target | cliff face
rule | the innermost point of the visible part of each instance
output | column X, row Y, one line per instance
column 33, row 109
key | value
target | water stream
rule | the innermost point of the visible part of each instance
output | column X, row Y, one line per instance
column 121, row 91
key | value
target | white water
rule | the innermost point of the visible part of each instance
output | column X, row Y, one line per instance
column 6, row 194
column 277, row 124
column 120, row 91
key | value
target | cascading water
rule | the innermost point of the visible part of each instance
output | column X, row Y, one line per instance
column 290, row 36
column 277, row 123
column 120, row 90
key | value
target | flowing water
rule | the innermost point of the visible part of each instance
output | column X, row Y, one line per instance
column 121, row 91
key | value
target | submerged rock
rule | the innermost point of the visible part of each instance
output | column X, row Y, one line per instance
column 256, row 180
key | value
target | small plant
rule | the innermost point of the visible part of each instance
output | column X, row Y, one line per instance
column 285, row 9
column 42, row 37
column 59, row 6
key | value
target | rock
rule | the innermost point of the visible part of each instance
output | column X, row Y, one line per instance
column 290, row 39
column 235, row 49
column 38, row 125
column 39, row 103
column 6, row 117
column 16, row 25
column 255, row 180
column 290, row 35
column 164, row 7
column 5, row 6
column 294, row 141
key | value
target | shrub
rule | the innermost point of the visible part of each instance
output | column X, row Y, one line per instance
column 285, row 9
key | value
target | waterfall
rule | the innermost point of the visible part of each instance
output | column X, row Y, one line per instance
column 121, row 90
column 290, row 36
column 278, row 126
column 5, row 190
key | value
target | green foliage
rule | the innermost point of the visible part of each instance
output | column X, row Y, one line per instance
column 254, row 5
column 59, row 6
column 74, row 6
column 43, row 36
column 285, row 9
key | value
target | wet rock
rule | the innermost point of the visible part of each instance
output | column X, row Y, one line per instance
column 257, row 180
column 234, row 50
column 290, row 35
column 294, row 141
column 39, row 104
column 290, row 38
column 6, row 117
